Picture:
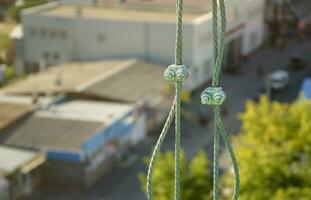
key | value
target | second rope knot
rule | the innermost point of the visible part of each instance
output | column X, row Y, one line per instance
column 213, row 96
column 176, row 73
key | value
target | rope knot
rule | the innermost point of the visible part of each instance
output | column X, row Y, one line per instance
column 176, row 73
column 213, row 96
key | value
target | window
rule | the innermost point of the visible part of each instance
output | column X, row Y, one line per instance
column 32, row 32
column 56, row 56
column 101, row 37
column 46, row 55
column 52, row 34
column 43, row 33
column 63, row 34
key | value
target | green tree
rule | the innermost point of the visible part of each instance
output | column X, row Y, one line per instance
column 14, row 10
column 196, row 180
column 274, row 151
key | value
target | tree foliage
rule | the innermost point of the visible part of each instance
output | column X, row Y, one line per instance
column 14, row 10
column 195, row 177
column 274, row 151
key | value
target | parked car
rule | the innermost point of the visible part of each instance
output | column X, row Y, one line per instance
column 296, row 62
column 278, row 80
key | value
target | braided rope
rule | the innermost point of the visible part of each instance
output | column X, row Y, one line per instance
column 177, row 140
column 176, row 73
column 216, row 158
column 157, row 150
column 179, row 35
column 232, row 157
column 214, row 96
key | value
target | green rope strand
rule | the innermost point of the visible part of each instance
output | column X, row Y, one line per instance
column 216, row 159
column 215, row 35
column 214, row 96
column 177, row 140
column 233, row 159
column 178, row 88
column 179, row 34
column 157, row 150
column 176, row 73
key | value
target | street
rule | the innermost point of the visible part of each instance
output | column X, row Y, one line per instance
column 121, row 182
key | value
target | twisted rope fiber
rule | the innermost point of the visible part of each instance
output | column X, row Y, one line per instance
column 179, row 34
column 177, row 73
column 219, row 129
column 215, row 32
column 216, row 147
column 220, row 46
column 229, row 147
column 216, row 160
column 177, row 140
column 157, row 150
column 178, row 85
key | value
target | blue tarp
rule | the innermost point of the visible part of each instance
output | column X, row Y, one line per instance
column 117, row 129
column 306, row 88
column 63, row 155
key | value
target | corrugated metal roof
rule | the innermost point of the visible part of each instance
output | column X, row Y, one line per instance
column 132, row 84
column 11, row 159
column 69, row 75
column 106, row 112
column 10, row 112
column 124, row 81
column 39, row 133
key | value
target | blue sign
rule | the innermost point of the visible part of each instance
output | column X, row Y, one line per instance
column 63, row 155
column 118, row 129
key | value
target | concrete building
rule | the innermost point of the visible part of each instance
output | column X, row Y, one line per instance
column 110, row 80
column 20, row 172
column 80, row 138
column 56, row 33
column 129, row 81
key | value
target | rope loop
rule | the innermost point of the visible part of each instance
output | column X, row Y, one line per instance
column 176, row 73
column 213, row 96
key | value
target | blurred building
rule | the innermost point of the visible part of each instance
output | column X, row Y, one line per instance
column 288, row 18
column 79, row 138
column 56, row 33
column 20, row 172
column 79, row 135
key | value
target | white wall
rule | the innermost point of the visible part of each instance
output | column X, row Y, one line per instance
column 162, row 43
column 99, row 39
column 46, row 35
column 201, row 70
column 254, row 29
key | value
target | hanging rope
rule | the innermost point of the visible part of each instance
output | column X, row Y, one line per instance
column 215, row 96
column 177, row 74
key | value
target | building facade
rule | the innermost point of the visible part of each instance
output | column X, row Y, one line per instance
column 55, row 33
column 80, row 138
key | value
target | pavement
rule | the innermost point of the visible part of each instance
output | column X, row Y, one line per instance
column 121, row 183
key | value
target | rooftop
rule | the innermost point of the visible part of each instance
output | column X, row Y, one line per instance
column 106, row 112
column 110, row 80
column 62, row 10
column 14, row 159
column 188, row 3
column 40, row 133
column 10, row 112
column 62, row 78
column 140, row 80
